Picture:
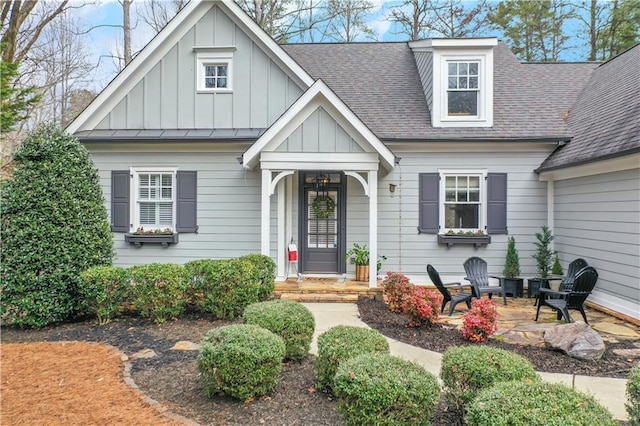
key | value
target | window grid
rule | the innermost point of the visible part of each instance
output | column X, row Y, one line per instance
column 216, row 76
column 462, row 202
column 463, row 88
column 155, row 200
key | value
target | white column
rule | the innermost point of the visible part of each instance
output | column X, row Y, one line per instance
column 265, row 213
column 551, row 208
column 282, row 243
column 289, row 217
column 373, row 228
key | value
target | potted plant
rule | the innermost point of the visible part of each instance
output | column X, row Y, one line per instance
column 556, row 270
column 141, row 236
column 360, row 255
column 544, row 254
column 511, row 271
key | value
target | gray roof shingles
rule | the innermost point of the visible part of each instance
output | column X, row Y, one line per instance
column 605, row 120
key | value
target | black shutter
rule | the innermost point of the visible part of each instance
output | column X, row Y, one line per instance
column 120, row 181
column 497, row 203
column 429, row 197
column 187, row 220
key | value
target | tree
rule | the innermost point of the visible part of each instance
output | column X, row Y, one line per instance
column 350, row 20
column 54, row 226
column 157, row 13
column 413, row 17
column 15, row 102
column 534, row 29
column 622, row 30
column 273, row 16
column 459, row 18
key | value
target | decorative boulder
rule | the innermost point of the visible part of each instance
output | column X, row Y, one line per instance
column 576, row 339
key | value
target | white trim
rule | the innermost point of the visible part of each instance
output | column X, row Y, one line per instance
column 360, row 179
column 134, row 172
column 318, row 95
column 482, row 211
column 373, row 229
column 454, row 43
column 281, row 251
column 319, row 161
column 615, row 303
column 550, row 210
column 276, row 180
column 265, row 213
column 628, row 162
column 217, row 58
column 160, row 45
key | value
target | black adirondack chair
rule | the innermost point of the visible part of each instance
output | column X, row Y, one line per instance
column 461, row 296
column 476, row 269
column 572, row 270
column 563, row 301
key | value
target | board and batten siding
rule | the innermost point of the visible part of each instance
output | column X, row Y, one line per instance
column 228, row 206
column 598, row 218
column 166, row 98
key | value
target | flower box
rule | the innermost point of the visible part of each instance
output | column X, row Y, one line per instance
column 139, row 239
column 475, row 240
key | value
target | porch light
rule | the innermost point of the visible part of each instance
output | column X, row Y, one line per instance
column 320, row 181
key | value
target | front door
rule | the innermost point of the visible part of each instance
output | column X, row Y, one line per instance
column 322, row 222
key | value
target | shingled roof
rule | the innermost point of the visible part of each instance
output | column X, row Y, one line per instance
column 380, row 83
column 605, row 120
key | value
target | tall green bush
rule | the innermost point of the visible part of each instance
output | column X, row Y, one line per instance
column 512, row 260
column 544, row 255
column 54, row 226
column 103, row 291
column 633, row 396
column 265, row 273
column 159, row 290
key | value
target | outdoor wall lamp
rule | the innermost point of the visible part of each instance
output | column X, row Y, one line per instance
column 392, row 189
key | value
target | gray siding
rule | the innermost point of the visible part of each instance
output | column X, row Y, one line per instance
column 598, row 218
column 424, row 62
column 319, row 133
column 166, row 97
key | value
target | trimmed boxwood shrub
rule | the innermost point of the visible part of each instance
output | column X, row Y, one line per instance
column 340, row 343
column 103, row 291
column 289, row 320
column 381, row 389
column 224, row 287
column 265, row 273
column 633, row 396
column 528, row 403
column 54, row 226
column 240, row 360
column 158, row 290
column 467, row 370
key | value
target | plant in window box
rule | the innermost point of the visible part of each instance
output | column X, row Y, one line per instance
column 476, row 238
column 164, row 236
column 360, row 255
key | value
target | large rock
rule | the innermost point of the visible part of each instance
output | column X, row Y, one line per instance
column 576, row 339
column 527, row 335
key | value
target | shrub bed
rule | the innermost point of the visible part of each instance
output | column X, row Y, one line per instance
column 341, row 343
column 529, row 403
column 103, row 291
column 395, row 288
column 289, row 320
column 158, row 290
column 633, row 396
column 240, row 360
column 380, row 389
column 265, row 273
column 467, row 370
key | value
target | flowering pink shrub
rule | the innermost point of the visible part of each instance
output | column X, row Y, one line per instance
column 481, row 321
column 422, row 306
column 395, row 287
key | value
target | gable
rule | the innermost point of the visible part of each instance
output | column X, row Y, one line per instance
column 159, row 89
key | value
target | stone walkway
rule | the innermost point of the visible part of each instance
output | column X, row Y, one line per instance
column 519, row 312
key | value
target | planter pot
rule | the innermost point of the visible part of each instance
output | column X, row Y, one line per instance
column 139, row 240
column 514, row 286
column 362, row 272
column 476, row 241
column 555, row 284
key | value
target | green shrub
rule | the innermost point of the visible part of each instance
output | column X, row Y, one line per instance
column 224, row 287
column 54, row 226
column 528, row 403
column 240, row 360
column 467, row 370
column 265, row 273
column 158, row 290
column 340, row 343
column 103, row 291
column 289, row 320
column 633, row 396
column 380, row 389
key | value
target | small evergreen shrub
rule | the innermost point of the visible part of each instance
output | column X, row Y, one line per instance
column 54, row 226
column 481, row 321
column 380, row 389
column 512, row 260
column 341, row 343
column 467, row 370
column 529, row 403
column 158, row 290
column 103, row 291
column 395, row 288
column 289, row 320
column 240, row 360
column 557, row 267
column 422, row 306
column 224, row 287
column 544, row 255
column 633, row 396
column 265, row 273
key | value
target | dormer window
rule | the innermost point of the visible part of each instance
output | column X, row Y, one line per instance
column 463, row 88
column 214, row 67
column 216, row 76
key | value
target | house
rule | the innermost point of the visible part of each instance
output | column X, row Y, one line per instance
column 240, row 145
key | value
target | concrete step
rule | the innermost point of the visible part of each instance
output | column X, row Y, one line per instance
column 320, row 297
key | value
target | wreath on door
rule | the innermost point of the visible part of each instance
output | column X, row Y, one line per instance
column 323, row 206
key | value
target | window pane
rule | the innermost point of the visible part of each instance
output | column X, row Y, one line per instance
column 473, row 82
column 144, row 180
column 209, row 83
column 165, row 214
column 461, row 216
column 462, row 196
column 222, row 82
column 473, row 68
column 453, row 68
column 210, row 70
column 463, row 182
column 450, row 182
column 222, row 71
column 474, row 195
column 463, row 103
column 462, row 82
column 453, row 83
column 474, row 182
column 147, row 213
column 462, row 68
column 450, row 195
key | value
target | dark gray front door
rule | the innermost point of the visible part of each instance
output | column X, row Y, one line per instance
column 322, row 222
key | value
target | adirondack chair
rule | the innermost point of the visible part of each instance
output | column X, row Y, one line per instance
column 563, row 301
column 572, row 270
column 476, row 269
column 461, row 296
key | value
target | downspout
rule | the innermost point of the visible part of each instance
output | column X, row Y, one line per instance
column 551, row 209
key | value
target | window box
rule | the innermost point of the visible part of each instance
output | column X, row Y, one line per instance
column 476, row 241
column 164, row 239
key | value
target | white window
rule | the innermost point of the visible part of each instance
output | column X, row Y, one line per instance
column 214, row 69
column 463, row 200
column 463, row 88
column 154, row 203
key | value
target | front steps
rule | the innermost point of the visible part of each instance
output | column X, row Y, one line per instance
column 323, row 290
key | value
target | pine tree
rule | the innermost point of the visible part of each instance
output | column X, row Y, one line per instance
column 512, row 260
column 544, row 254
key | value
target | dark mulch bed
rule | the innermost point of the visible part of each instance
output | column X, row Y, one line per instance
column 172, row 378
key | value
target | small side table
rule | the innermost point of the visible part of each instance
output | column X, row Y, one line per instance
column 513, row 286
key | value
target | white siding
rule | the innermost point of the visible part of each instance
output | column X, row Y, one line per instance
column 598, row 218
